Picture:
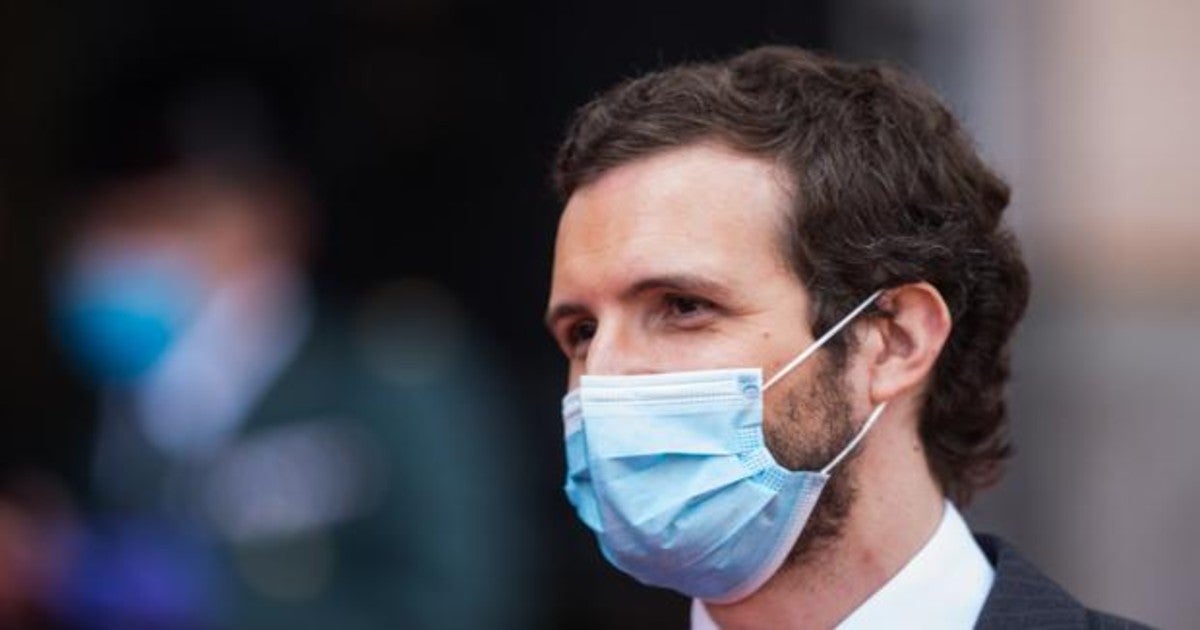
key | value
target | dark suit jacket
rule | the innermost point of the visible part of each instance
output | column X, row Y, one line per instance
column 438, row 543
column 1023, row 597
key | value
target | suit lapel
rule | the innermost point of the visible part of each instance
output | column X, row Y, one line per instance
column 1023, row 597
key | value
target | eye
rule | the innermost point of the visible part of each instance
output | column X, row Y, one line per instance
column 685, row 306
column 579, row 332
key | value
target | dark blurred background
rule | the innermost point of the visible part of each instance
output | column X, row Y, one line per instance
column 415, row 140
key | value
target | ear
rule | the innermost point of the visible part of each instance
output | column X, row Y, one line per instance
column 907, row 340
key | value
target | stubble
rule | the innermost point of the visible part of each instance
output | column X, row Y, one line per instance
column 799, row 443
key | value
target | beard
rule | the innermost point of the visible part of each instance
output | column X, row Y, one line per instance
column 798, row 447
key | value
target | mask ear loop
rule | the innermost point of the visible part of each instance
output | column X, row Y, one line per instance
column 808, row 352
column 816, row 345
column 878, row 411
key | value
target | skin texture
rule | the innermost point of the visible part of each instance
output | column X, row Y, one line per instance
column 672, row 263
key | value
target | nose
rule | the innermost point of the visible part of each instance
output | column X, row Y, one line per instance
column 617, row 349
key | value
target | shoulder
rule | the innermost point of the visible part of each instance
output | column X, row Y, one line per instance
column 1024, row 597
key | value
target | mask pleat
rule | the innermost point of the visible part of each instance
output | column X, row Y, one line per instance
column 628, row 433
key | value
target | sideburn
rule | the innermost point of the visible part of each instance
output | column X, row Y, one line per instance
column 797, row 445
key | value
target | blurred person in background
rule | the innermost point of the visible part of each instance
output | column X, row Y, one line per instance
column 264, row 460
column 785, row 294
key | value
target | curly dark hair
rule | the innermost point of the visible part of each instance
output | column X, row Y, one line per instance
column 889, row 191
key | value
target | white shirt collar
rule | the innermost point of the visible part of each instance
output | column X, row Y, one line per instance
column 943, row 586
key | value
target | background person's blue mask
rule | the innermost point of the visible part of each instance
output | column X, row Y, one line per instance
column 672, row 473
column 117, row 313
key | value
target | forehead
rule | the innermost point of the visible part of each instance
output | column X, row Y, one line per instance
column 702, row 209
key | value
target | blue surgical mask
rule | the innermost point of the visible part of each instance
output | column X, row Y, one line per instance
column 672, row 473
column 117, row 312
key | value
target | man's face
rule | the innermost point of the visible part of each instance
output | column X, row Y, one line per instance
column 673, row 263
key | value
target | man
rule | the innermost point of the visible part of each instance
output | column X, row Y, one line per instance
column 785, row 294
column 265, row 460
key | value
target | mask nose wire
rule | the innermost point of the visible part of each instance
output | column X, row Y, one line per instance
column 816, row 345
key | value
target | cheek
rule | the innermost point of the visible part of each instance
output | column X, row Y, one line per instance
column 731, row 344
column 806, row 420
column 734, row 346
column 706, row 352
column 774, row 350
column 792, row 428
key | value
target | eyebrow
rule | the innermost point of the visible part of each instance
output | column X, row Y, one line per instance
column 683, row 282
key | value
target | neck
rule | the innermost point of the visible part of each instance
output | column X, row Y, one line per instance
column 896, row 511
